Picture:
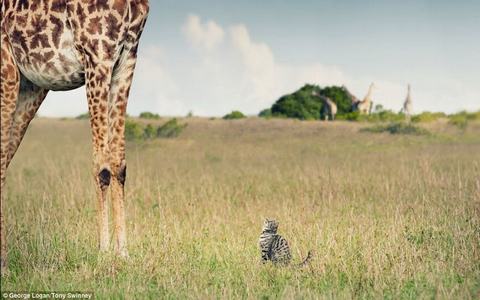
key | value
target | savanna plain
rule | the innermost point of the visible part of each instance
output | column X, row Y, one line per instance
column 387, row 216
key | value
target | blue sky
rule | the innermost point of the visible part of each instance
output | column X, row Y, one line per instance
column 211, row 57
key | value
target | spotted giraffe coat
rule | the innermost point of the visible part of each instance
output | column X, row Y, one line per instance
column 61, row 45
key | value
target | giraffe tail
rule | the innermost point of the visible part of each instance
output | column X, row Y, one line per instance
column 307, row 259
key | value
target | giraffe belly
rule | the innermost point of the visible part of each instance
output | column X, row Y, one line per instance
column 54, row 68
column 53, row 65
column 53, row 80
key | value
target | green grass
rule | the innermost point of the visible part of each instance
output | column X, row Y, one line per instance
column 427, row 116
column 397, row 128
column 388, row 216
column 137, row 131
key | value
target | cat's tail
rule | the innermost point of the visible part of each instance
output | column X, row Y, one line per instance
column 306, row 260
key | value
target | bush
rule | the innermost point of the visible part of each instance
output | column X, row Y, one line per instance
column 397, row 128
column 459, row 120
column 303, row 105
column 462, row 118
column 85, row 116
column 234, row 115
column 427, row 117
column 149, row 116
column 299, row 105
column 351, row 116
column 149, row 132
column 133, row 130
column 266, row 113
column 475, row 116
column 380, row 116
column 385, row 116
column 170, row 129
column 378, row 108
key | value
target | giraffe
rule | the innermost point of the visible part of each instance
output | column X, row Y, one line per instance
column 61, row 45
column 365, row 106
column 407, row 105
column 329, row 108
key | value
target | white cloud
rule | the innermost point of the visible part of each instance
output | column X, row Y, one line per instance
column 268, row 79
column 259, row 64
column 153, row 88
column 202, row 35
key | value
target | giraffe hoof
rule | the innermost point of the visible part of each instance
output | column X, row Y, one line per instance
column 104, row 178
column 122, row 176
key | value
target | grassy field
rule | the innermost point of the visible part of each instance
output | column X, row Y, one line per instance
column 388, row 216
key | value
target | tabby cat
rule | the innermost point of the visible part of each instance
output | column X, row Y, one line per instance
column 274, row 247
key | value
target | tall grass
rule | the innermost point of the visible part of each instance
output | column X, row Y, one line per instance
column 388, row 216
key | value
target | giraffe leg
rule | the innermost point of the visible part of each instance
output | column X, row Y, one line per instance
column 97, row 77
column 29, row 100
column 119, row 91
column 9, row 88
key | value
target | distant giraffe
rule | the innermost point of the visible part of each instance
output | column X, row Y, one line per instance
column 329, row 108
column 61, row 45
column 365, row 106
column 407, row 105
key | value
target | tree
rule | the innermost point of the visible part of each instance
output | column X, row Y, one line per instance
column 234, row 115
column 303, row 105
column 149, row 115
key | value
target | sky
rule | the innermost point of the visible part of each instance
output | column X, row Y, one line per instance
column 211, row 57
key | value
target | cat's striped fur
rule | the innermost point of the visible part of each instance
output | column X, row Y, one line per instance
column 274, row 247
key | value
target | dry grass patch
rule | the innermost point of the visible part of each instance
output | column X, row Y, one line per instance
column 388, row 216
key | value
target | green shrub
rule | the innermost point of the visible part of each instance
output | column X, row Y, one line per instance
column 397, row 128
column 149, row 116
column 234, row 115
column 458, row 120
column 299, row 105
column 170, row 129
column 462, row 118
column 266, row 113
column 133, row 130
column 378, row 108
column 475, row 116
column 303, row 105
column 380, row 116
column 149, row 132
column 385, row 116
column 84, row 116
column 351, row 116
column 428, row 117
